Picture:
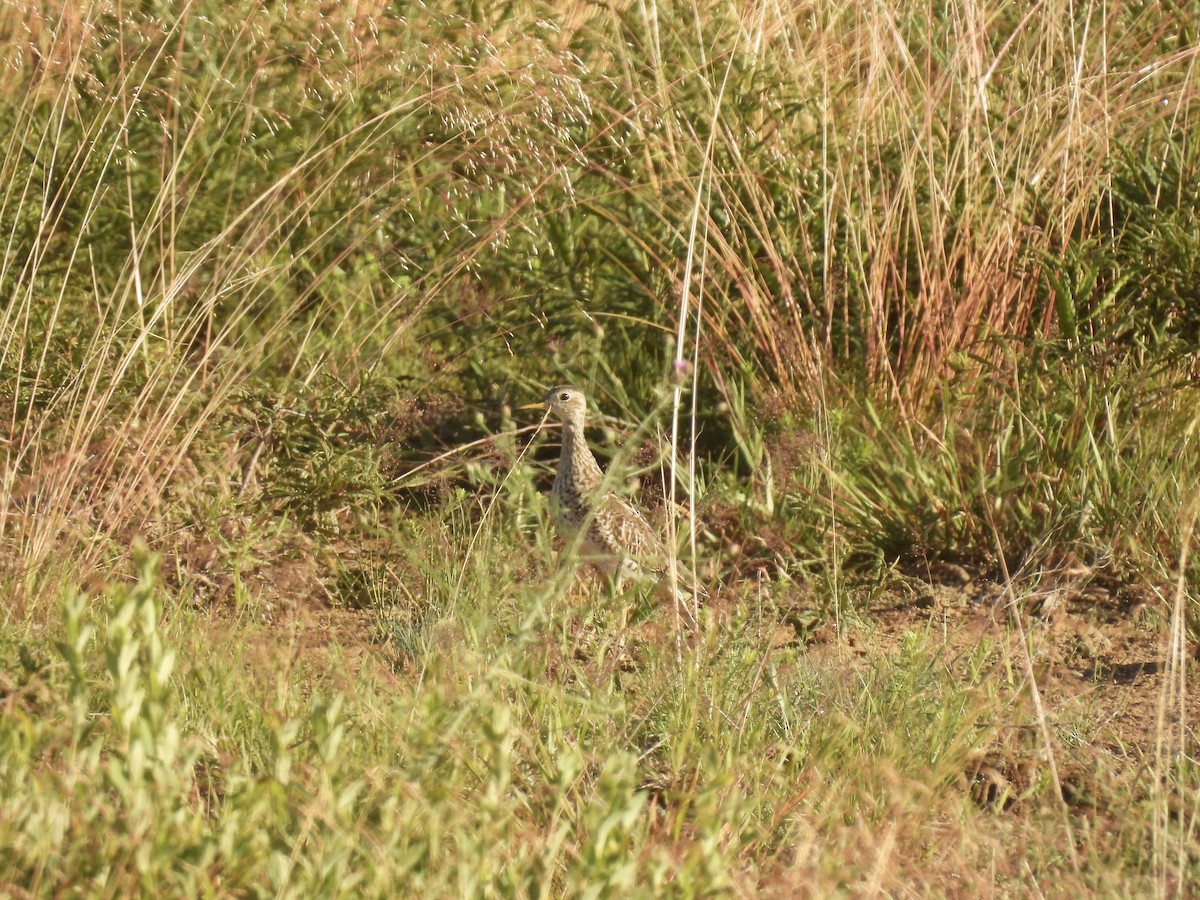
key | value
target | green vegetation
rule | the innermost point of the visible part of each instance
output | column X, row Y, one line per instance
column 915, row 288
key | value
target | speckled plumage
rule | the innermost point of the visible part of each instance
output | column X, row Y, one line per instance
column 618, row 540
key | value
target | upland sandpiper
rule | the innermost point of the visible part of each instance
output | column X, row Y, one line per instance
column 617, row 539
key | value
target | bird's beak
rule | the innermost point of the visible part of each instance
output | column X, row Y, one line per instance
column 541, row 404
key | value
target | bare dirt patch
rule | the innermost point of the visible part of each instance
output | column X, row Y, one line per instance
column 1099, row 654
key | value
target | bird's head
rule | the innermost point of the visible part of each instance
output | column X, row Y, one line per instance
column 566, row 402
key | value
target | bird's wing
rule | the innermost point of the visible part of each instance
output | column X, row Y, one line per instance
column 635, row 535
column 647, row 547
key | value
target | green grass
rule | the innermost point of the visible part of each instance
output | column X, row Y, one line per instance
column 879, row 289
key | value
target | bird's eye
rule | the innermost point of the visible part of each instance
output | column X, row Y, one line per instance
column 564, row 396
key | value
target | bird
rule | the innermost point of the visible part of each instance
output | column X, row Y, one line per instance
column 616, row 537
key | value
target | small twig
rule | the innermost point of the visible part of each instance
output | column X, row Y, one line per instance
column 459, row 449
column 248, row 472
column 1035, row 695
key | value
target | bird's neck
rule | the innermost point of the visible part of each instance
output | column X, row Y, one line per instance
column 575, row 449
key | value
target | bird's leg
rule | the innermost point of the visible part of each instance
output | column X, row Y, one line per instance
column 683, row 611
column 617, row 583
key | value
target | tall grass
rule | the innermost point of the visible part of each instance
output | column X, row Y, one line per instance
column 197, row 201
